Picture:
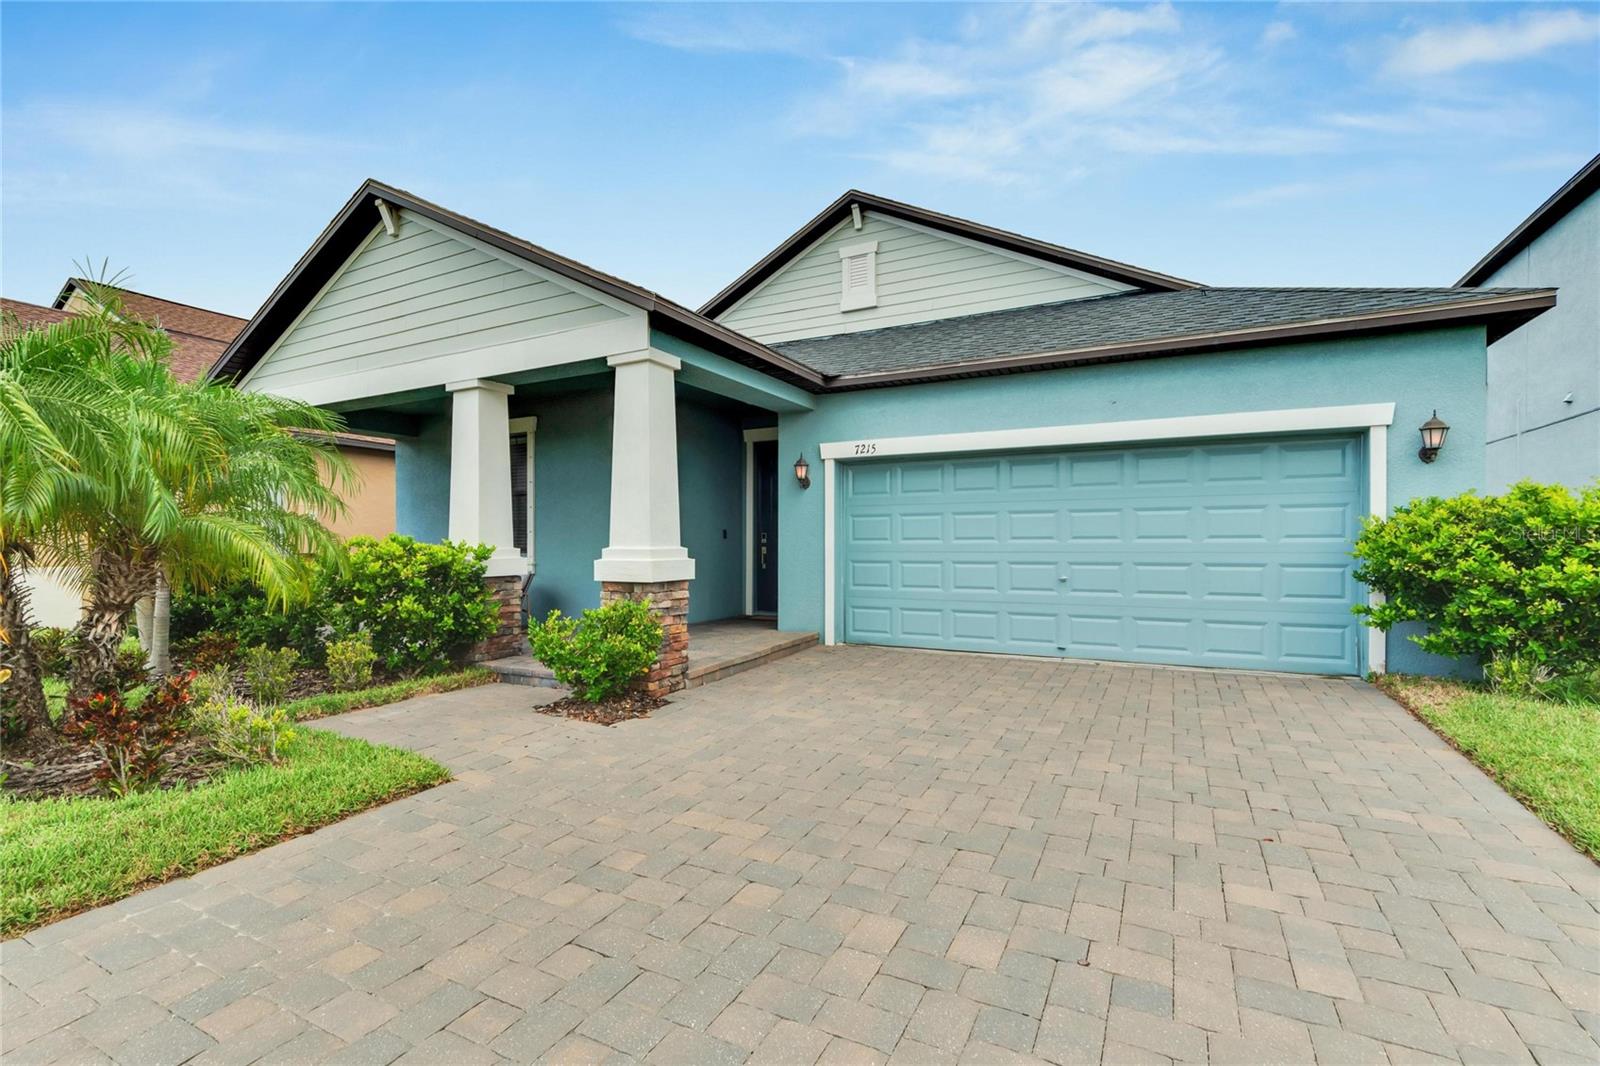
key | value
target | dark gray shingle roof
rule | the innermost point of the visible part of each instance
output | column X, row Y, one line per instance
column 1143, row 318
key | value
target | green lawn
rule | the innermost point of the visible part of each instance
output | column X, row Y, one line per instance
column 1545, row 753
column 60, row 856
column 339, row 702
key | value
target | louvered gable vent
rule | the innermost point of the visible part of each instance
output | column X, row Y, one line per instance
column 858, row 269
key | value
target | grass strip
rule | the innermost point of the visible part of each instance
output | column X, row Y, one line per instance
column 1543, row 752
column 61, row 856
column 339, row 702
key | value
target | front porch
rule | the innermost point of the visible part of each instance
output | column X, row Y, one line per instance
column 600, row 440
column 716, row 650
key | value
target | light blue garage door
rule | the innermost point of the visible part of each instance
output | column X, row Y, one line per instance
column 1232, row 554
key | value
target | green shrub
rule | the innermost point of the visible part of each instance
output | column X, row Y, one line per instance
column 422, row 604
column 268, row 674
column 241, row 733
column 349, row 662
column 599, row 655
column 212, row 686
column 1513, row 580
column 240, row 612
column 52, row 647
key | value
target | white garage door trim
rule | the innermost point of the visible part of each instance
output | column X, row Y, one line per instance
column 1375, row 418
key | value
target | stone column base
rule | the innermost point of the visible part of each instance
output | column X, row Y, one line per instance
column 670, row 602
column 509, row 637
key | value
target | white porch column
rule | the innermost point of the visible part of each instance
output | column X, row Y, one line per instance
column 645, row 540
column 480, row 471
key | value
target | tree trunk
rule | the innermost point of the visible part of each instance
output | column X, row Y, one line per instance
column 23, row 692
column 144, row 621
column 160, row 647
column 117, row 583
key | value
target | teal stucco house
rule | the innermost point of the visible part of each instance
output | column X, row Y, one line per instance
column 1544, row 381
column 899, row 427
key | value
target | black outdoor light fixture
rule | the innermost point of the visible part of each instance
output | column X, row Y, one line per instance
column 1433, row 433
column 802, row 471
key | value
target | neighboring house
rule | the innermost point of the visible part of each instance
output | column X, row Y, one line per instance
column 198, row 337
column 1544, row 381
column 1008, row 446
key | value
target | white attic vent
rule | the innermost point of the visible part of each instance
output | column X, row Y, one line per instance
column 858, row 276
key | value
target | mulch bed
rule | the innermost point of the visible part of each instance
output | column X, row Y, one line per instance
column 607, row 712
column 47, row 765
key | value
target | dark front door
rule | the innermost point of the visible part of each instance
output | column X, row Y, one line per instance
column 764, row 454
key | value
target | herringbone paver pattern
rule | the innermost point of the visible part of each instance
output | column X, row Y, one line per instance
column 864, row 855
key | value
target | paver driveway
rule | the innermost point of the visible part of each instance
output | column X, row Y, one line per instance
column 859, row 854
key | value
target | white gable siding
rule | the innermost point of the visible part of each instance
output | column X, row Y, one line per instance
column 921, row 275
column 420, row 295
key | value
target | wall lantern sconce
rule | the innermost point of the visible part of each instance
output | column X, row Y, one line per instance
column 1433, row 433
column 802, row 471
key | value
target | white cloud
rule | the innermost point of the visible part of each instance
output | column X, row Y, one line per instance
column 729, row 28
column 1443, row 49
column 1278, row 32
column 1284, row 192
column 1017, row 92
column 148, row 132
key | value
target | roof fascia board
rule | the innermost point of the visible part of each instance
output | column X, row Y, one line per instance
column 1522, row 303
column 266, row 356
column 1574, row 191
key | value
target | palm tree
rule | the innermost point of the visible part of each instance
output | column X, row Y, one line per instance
column 131, row 480
column 57, row 425
column 222, row 485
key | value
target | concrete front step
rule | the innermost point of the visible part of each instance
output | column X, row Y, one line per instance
column 710, row 663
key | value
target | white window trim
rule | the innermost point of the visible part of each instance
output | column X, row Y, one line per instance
column 527, row 427
column 866, row 296
column 1374, row 418
column 750, row 438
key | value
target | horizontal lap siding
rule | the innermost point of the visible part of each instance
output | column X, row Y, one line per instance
column 421, row 295
column 921, row 276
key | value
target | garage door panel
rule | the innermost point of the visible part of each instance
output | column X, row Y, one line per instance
column 1225, row 554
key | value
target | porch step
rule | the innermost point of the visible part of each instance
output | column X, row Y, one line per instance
column 523, row 670
column 705, row 669
column 714, row 660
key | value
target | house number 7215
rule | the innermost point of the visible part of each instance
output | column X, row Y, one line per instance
column 867, row 449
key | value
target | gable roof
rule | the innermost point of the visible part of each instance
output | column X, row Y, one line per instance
column 360, row 215
column 198, row 335
column 1578, row 188
column 1142, row 325
column 840, row 209
column 170, row 315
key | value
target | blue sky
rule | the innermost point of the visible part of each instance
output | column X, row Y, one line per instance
column 202, row 147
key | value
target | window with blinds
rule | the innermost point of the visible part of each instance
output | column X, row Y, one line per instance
column 519, row 492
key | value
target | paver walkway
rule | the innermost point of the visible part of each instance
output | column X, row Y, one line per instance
column 859, row 854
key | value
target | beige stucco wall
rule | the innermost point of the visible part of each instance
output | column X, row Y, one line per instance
column 371, row 506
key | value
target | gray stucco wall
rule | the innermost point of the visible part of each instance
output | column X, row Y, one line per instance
column 1533, row 432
